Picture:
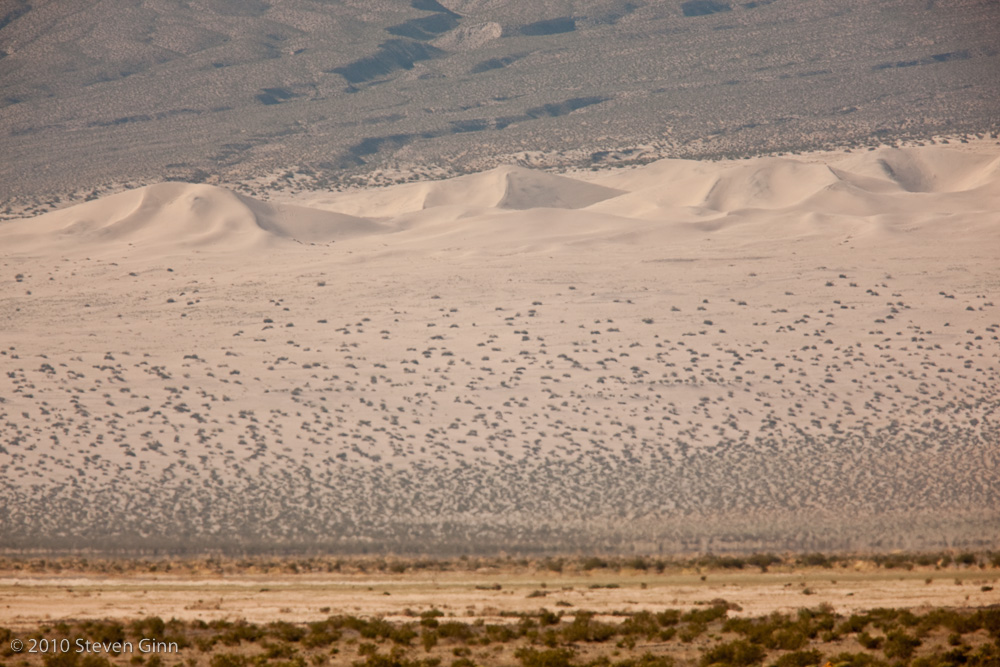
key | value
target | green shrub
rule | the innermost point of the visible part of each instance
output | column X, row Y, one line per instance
column 279, row 650
column 642, row 623
column 394, row 659
column 789, row 639
column 763, row 561
column 703, row 616
column 320, row 634
column 92, row 660
column 816, row 560
column 668, row 617
column 286, row 631
column 68, row 659
column 109, row 632
column 585, row 629
column 455, row 630
column 151, row 627
column 900, row 645
column 739, row 653
column 856, row 660
column 646, row 660
column 856, row 623
column 552, row 657
column 692, row 631
column 800, row 659
column 499, row 633
column 241, row 632
column 228, row 660
column 594, row 563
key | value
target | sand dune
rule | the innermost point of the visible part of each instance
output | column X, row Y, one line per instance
column 909, row 186
column 785, row 352
column 179, row 216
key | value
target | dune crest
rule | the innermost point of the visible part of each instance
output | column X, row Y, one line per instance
column 935, row 189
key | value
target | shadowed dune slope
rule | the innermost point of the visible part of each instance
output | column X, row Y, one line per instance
column 174, row 215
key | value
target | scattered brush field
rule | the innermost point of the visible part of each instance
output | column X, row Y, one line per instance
column 550, row 637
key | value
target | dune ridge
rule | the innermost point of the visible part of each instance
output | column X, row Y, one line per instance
column 864, row 187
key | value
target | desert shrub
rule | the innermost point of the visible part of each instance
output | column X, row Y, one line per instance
column 286, row 631
column 900, row 645
column 702, row 616
column 725, row 562
column 956, row 657
column 376, row 628
column 593, row 563
column 692, row 631
column 241, row 632
column 989, row 620
column 668, row 617
column 552, row 657
column 206, row 644
column 585, row 629
column 297, row 661
column 67, row 659
column 739, row 653
column 774, row 632
column 763, row 561
column 856, row 660
column 320, row 634
column 813, row 620
column 108, row 632
column 92, row 660
column 800, row 659
column 646, row 660
column 455, row 630
column 394, row 659
column 429, row 619
column 789, row 639
column 638, row 563
column 555, row 565
column 403, row 634
column 887, row 619
column 499, row 633
column 891, row 561
column 642, row 623
column 228, row 660
column 151, row 627
column 856, row 623
column 429, row 638
column 816, row 560
column 546, row 617
column 869, row 642
column 275, row 651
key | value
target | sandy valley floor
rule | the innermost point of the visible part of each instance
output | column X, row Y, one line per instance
column 795, row 352
column 29, row 601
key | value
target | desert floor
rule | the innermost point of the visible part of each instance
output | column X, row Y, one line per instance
column 28, row 601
